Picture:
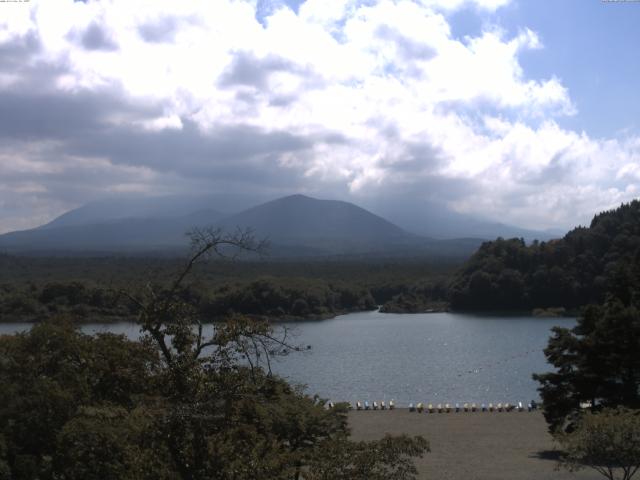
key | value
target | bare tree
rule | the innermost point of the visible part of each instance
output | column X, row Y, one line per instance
column 173, row 322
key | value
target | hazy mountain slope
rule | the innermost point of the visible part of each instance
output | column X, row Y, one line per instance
column 435, row 221
column 296, row 226
column 427, row 219
column 300, row 217
column 115, row 235
column 172, row 206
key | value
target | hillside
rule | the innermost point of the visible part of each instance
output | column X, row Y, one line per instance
column 296, row 226
column 570, row 272
column 322, row 226
column 434, row 220
column 301, row 217
column 126, row 234
column 155, row 207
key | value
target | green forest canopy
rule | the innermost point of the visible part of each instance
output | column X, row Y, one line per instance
column 570, row 272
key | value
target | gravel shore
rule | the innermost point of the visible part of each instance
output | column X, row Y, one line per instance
column 473, row 446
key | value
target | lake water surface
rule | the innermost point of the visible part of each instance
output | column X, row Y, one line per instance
column 436, row 357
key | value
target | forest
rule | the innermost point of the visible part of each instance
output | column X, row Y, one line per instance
column 570, row 272
column 90, row 289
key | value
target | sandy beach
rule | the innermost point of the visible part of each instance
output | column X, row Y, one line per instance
column 473, row 446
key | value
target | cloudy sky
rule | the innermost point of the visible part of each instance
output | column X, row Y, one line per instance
column 522, row 111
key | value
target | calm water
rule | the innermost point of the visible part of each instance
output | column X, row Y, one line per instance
column 438, row 357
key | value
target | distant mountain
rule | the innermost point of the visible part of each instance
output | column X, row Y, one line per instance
column 426, row 219
column 308, row 226
column 433, row 220
column 296, row 226
column 124, row 234
column 300, row 218
column 156, row 207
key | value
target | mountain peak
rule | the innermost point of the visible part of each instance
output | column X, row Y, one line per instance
column 298, row 215
column 297, row 196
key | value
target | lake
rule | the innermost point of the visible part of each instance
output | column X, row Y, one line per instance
column 435, row 357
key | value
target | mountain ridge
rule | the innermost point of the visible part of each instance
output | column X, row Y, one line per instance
column 297, row 225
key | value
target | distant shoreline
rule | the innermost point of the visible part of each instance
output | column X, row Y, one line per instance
column 542, row 313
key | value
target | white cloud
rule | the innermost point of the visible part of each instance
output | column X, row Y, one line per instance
column 456, row 4
column 410, row 101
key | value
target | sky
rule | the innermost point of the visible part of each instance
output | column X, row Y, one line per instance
column 524, row 112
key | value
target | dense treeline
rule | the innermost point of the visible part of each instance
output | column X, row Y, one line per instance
column 273, row 297
column 32, row 303
column 426, row 296
column 128, row 270
column 295, row 298
column 90, row 290
column 570, row 272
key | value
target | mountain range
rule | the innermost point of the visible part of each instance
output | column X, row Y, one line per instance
column 295, row 225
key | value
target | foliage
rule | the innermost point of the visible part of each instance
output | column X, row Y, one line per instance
column 86, row 289
column 607, row 441
column 50, row 373
column 571, row 272
column 5, row 471
column 31, row 302
column 420, row 297
column 185, row 402
column 301, row 298
column 597, row 362
column 386, row 459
